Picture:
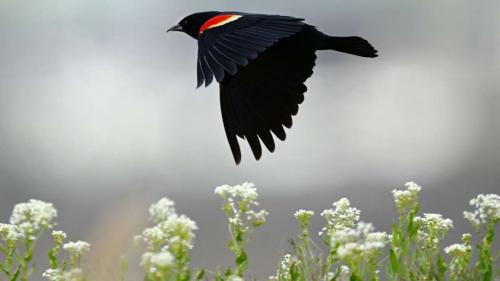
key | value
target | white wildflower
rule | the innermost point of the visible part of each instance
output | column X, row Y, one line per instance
column 358, row 242
column 154, row 236
column 303, row 217
column 179, row 229
column 146, row 259
column 246, row 192
column 287, row 262
column 460, row 257
column 59, row 275
column 377, row 237
column 466, row 238
column 413, row 187
column 77, row 248
column 59, row 236
column 407, row 198
column 162, row 259
column 348, row 250
column 433, row 228
column 457, row 249
column 345, row 273
column 223, row 190
column 173, row 232
column 301, row 214
column 487, row 210
column 10, row 233
column 327, row 213
column 237, row 204
column 343, row 216
column 161, row 210
column 435, row 221
column 472, row 218
column 75, row 274
column 53, row 275
column 257, row 218
column 236, row 220
column 33, row 216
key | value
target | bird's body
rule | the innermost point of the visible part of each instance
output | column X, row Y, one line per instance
column 261, row 63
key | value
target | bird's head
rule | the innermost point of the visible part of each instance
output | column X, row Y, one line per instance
column 191, row 24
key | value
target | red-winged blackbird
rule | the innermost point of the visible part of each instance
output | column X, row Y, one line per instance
column 261, row 63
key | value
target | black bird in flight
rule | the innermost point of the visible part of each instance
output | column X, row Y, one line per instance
column 261, row 63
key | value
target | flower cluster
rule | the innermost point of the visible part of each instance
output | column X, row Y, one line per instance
column 168, row 241
column 257, row 218
column 303, row 217
column 341, row 217
column 238, row 200
column 60, row 275
column 287, row 265
column 457, row 249
column 179, row 231
column 59, row 236
column 158, row 264
column 27, row 223
column 33, row 217
column 407, row 198
column 432, row 228
column 354, row 244
column 237, row 204
column 77, row 248
column 10, row 233
column 460, row 256
column 246, row 191
column 354, row 248
column 344, row 273
column 75, row 251
column 176, row 231
column 487, row 210
column 161, row 210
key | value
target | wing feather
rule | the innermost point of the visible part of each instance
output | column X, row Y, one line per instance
column 243, row 40
column 264, row 95
column 223, row 61
column 231, row 54
column 207, row 72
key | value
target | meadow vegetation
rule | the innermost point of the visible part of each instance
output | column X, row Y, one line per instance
column 413, row 250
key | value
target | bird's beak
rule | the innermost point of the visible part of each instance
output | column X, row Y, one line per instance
column 176, row 27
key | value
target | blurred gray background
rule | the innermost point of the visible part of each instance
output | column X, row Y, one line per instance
column 99, row 115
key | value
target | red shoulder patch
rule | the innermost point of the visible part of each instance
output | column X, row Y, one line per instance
column 218, row 21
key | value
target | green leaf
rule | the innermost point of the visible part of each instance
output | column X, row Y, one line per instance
column 393, row 261
column 200, row 274
column 232, row 246
column 441, row 264
column 53, row 258
column 294, row 273
column 354, row 277
column 242, row 262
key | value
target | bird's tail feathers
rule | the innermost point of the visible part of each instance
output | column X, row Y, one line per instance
column 353, row 45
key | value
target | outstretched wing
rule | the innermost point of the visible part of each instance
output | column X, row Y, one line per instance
column 230, row 40
column 263, row 96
